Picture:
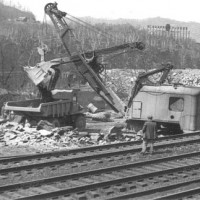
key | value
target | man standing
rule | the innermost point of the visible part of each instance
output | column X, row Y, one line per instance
column 149, row 135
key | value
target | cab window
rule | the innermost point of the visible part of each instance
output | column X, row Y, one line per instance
column 176, row 104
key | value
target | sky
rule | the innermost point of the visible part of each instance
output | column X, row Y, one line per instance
column 181, row 10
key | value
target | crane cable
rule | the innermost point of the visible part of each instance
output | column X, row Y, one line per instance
column 89, row 26
column 86, row 25
column 96, row 30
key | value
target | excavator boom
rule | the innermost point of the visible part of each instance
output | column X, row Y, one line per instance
column 142, row 79
column 89, row 69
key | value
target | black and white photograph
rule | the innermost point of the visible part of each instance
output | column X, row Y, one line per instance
column 99, row 100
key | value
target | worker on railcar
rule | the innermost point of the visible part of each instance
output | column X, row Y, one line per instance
column 149, row 135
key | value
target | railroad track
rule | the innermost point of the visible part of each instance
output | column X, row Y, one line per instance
column 193, row 193
column 137, row 180
column 13, row 170
column 74, row 161
column 92, row 150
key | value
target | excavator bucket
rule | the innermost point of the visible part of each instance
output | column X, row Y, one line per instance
column 42, row 72
column 37, row 75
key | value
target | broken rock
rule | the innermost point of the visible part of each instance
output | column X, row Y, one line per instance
column 2, row 121
column 45, row 133
column 83, row 134
column 62, row 130
column 44, row 124
column 95, row 136
column 11, row 124
column 10, row 136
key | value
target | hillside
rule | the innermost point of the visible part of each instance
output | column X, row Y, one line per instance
column 8, row 12
column 193, row 27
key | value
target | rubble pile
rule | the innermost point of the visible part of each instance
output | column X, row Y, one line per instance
column 44, row 137
column 187, row 77
column 122, row 81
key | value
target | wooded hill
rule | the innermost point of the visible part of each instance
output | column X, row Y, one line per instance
column 19, row 41
column 193, row 27
column 12, row 13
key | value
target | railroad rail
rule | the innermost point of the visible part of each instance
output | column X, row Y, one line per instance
column 126, row 181
column 91, row 150
column 193, row 193
column 13, row 170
